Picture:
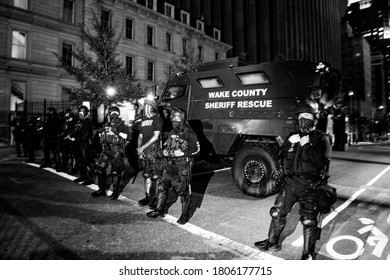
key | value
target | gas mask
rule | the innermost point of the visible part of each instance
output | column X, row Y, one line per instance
column 177, row 125
column 81, row 115
column 114, row 117
column 68, row 117
column 306, row 125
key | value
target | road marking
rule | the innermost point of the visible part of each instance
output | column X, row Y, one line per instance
column 332, row 215
column 378, row 176
column 241, row 249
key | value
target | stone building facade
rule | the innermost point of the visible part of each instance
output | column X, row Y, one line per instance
column 32, row 31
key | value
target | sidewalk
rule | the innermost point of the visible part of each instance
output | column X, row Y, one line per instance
column 8, row 152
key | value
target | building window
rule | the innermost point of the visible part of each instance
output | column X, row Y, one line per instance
column 200, row 25
column 19, row 45
column 129, row 65
column 129, row 28
column 22, row 4
column 169, row 10
column 185, row 46
column 200, row 52
column 168, row 42
column 150, row 71
column 150, row 35
column 217, row 56
column 18, row 92
column 68, row 11
column 151, row 4
column 65, row 92
column 67, row 53
column 106, row 19
column 185, row 17
column 217, row 34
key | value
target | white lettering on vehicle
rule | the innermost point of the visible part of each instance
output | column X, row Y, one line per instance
column 242, row 104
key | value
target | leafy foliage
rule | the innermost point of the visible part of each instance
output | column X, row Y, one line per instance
column 188, row 62
column 100, row 68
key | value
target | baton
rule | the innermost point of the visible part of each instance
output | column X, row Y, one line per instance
column 319, row 225
column 190, row 175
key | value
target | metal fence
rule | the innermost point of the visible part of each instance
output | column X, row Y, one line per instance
column 30, row 108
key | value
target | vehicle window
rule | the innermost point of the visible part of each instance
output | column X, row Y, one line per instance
column 253, row 78
column 174, row 92
column 210, row 82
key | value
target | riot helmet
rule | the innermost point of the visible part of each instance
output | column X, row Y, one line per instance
column 113, row 113
column 69, row 115
column 178, row 118
column 51, row 112
column 83, row 112
column 150, row 106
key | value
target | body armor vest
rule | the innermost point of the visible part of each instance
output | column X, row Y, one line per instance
column 176, row 143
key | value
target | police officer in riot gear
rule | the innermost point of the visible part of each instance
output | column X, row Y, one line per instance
column 81, row 136
column 65, row 144
column 112, row 160
column 305, row 155
column 50, row 137
column 149, row 151
column 180, row 148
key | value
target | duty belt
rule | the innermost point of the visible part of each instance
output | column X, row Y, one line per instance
column 301, row 178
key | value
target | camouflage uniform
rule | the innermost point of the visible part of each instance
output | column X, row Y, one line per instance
column 112, row 161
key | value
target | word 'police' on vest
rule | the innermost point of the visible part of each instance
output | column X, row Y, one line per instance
column 257, row 103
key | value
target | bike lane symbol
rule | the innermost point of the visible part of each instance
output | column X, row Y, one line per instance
column 376, row 239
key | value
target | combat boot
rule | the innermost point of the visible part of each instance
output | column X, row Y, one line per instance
column 99, row 193
column 155, row 213
column 144, row 201
column 265, row 245
column 310, row 236
column 185, row 215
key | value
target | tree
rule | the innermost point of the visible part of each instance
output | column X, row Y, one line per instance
column 100, row 69
column 188, row 62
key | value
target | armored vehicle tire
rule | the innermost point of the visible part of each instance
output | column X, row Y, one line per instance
column 252, row 167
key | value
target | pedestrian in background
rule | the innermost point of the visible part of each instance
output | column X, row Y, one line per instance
column 17, row 129
column 305, row 156
column 180, row 149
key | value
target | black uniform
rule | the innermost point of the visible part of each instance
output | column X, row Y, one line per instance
column 31, row 131
column 65, row 143
column 304, row 166
column 17, row 127
column 81, row 135
column 50, row 131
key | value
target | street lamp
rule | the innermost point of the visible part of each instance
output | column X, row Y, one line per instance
column 110, row 91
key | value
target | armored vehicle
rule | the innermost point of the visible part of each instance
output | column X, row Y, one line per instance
column 245, row 112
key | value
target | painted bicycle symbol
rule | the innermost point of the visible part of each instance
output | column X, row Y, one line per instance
column 377, row 239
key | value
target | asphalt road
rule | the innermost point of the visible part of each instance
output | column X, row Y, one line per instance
column 44, row 215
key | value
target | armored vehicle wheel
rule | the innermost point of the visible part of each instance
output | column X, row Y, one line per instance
column 252, row 167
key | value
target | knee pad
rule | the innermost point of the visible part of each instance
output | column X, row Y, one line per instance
column 307, row 222
column 274, row 212
column 164, row 185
